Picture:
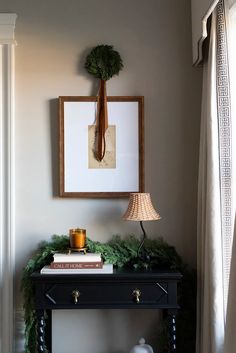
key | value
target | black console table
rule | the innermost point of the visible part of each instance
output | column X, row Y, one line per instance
column 120, row 290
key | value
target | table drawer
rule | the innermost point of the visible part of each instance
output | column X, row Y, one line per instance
column 77, row 294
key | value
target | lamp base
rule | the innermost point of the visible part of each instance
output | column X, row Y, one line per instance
column 142, row 240
column 141, row 262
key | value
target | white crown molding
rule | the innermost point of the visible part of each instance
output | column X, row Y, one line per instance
column 7, row 181
column 7, row 28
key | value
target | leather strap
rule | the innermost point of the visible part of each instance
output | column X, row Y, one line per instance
column 101, row 121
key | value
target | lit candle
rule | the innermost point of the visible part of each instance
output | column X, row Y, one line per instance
column 77, row 238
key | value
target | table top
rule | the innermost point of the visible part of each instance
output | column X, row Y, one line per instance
column 117, row 274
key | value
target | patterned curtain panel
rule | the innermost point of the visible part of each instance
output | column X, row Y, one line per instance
column 225, row 138
column 215, row 191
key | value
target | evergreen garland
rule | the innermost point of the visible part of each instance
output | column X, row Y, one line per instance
column 104, row 62
column 121, row 253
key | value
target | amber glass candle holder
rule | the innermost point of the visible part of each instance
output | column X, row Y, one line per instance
column 77, row 238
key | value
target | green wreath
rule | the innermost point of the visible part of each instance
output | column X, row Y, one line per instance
column 120, row 252
column 104, row 62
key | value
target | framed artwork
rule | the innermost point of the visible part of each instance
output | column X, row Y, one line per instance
column 122, row 169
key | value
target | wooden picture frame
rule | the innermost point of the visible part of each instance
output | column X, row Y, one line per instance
column 123, row 169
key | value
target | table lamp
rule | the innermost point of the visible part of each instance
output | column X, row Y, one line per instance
column 140, row 209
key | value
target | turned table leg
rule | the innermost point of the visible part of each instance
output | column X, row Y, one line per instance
column 44, row 331
column 172, row 330
column 41, row 331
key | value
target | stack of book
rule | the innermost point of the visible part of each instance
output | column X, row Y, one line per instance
column 76, row 263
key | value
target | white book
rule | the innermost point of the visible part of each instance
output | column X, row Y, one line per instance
column 107, row 268
column 77, row 257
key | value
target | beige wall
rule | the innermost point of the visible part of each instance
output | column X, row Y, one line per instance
column 154, row 40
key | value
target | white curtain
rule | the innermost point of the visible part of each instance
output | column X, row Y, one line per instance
column 230, row 334
column 215, row 333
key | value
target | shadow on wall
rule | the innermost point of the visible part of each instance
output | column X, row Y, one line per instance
column 110, row 331
column 83, row 72
column 54, row 122
column 54, row 134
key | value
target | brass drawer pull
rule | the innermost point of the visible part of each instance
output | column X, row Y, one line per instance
column 75, row 295
column 136, row 295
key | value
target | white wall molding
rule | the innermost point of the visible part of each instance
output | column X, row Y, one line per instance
column 19, row 331
column 7, row 184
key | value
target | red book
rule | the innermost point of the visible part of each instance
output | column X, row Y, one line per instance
column 75, row 265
